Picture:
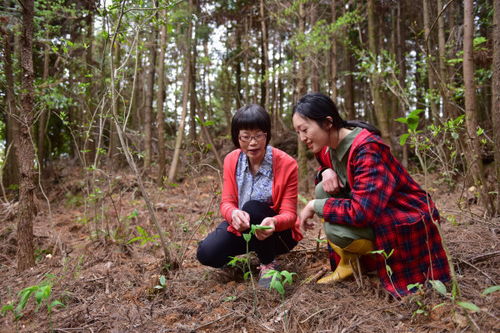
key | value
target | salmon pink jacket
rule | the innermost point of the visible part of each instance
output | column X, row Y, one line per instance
column 284, row 191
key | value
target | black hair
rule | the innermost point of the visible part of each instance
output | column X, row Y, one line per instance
column 318, row 107
column 250, row 117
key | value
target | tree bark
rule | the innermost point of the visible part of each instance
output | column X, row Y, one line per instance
column 349, row 68
column 313, row 57
column 333, row 55
column 474, row 156
column 264, row 87
column 185, row 98
column 375, row 84
column 160, row 98
column 301, row 90
column 24, row 146
column 428, row 60
column 192, row 72
column 11, row 168
column 148, row 107
column 495, row 100
column 44, row 114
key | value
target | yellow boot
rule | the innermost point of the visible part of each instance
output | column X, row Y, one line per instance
column 348, row 256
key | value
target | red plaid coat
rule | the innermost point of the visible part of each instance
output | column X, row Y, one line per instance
column 386, row 198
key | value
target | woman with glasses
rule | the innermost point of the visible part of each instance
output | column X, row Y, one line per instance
column 260, row 187
column 379, row 210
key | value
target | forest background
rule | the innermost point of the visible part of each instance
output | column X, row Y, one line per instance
column 139, row 95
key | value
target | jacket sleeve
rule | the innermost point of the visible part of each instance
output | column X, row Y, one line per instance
column 372, row 187
column 229, row 200
column 287, row 214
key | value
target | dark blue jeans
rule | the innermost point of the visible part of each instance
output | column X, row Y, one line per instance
column 217, row 248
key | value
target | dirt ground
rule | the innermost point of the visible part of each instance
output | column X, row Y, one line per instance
column 108, row 284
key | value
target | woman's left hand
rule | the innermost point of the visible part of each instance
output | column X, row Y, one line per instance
column 262, row 234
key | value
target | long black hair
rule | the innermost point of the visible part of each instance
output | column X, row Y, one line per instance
column 318, row 107
column 250, row 117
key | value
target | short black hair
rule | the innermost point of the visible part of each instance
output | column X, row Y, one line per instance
column 250, row 117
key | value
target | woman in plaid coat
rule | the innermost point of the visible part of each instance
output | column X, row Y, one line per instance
column 368, row 201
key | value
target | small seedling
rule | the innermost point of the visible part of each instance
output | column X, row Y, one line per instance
column 279, row 279
column 40, row 292
column 163, row 282
column 441, row 288
column 143, row 237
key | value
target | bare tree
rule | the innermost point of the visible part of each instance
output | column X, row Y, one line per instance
column 495, row 103
column 185, row 97
column 24, row 145
column 160, row 97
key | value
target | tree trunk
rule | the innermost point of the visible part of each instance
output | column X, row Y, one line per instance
column 264, row 85
column 185, row 97
column 313, row 57
column 333, row 55
column 44, row 114
column 443, row 71
column 160, row 98
column 474, row 156
column 11, row 169
column 495, row 101
column 428, row 60
column 192, row 72
column 349, row 68
column 24, row 146
column 148, row 107
column 401, row 33
column 375, row 84
column 301, row 90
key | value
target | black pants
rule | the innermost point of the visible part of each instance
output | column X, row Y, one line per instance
column 221, row 244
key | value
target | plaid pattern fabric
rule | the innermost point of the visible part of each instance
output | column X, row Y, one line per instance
column 401, row 213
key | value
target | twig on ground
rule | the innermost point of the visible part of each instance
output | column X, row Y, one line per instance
column 213, row 321
column 315, row 277
column 316, row 313
column 478, row 269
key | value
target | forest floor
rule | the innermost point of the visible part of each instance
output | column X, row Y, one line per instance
column 108, row 284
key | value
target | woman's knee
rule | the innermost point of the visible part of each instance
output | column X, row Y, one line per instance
column 207, row 256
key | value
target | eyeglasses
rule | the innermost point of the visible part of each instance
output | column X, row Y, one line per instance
column 258, row 137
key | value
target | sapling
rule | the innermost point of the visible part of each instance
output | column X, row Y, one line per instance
column 41, row 292
column 279, row 279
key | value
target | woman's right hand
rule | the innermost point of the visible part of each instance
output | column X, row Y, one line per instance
column 331, row 182
column 306, row 215
column 241, row 220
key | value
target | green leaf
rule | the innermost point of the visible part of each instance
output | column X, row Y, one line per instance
column 414, row 285
column 438, row 306
column 261, row 227
column 439, row 286
column 389, row 270
column 413, row 122
column 403, row 138
column 24, row 296
column 490, row 290
column 247, row 237
column 6, row 308
column 401, row 120
column 303, row 199
column 163, row 280
column 288, row 276
column 469, row 306
column 54, row 304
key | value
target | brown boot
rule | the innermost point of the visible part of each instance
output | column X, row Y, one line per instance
column 348, row 256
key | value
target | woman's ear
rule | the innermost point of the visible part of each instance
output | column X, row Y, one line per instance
column 329, row 122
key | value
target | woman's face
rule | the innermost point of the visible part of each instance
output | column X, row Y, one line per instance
column 253, row 144
column 309, row 132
